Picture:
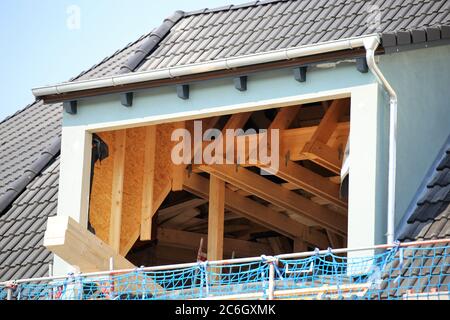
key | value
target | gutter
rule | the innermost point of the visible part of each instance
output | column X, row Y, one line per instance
column 202, row 67
column 371, row 44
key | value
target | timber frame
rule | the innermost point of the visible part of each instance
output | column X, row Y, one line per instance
column 154, row 212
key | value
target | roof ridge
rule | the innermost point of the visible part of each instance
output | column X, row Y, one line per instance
column 148, row 46
column 16, row 188
column 232, row 7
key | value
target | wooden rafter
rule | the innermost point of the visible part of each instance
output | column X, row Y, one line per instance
column 284, row 118
column 276, row 194
column 257, row 212
column 292, row 141
column 115, row 222
column 305, row 179
column 316, row 149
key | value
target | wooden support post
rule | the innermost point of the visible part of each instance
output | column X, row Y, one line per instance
column 117, row 189
column 216, row 215
column 147, row 209
column 178, row 169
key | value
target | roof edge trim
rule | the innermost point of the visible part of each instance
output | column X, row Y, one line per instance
column 204, row 67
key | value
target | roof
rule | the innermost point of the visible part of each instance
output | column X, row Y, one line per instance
column 260, row 26
column 430, row 220
column 193, row 37
column 431, row 217
column 276, row 29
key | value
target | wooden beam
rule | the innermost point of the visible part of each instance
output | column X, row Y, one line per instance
column 279, row 196
column 174, row 210
column 191, row 240
column 292, row 141
column 216, row 213
column 82, row 249
column 314, row 183
column 257, row 212
column 115, row 223
column 207, row 123
column 79, row 247
column 181, row 218
column 284, row 118
column 147, row 209
column 300, row 245
column 335, row 240
column 316, row 149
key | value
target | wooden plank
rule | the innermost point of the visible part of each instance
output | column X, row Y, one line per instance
column 284, row 118
column 300, row 245
column 130, row 243
column 329, row 121
column 316, row 148
column 117, row 189
column 216, row 213
column 257, row 212
column 207, row 123
column 147, row 209
column 79, row 247
column 292, row 141
column 181, row 218
column 325, row 156
column 310, row 181
column 335, row 240
column 277, row 195
column 178, row 169
column 191, row 240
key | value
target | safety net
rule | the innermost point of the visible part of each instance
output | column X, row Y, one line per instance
column 400, row 272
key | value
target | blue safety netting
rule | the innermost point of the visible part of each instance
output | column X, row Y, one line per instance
column 420, row 272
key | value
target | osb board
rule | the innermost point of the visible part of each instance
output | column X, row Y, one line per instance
column 100, row 204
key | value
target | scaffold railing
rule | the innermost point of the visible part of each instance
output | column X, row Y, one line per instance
column 414, row 270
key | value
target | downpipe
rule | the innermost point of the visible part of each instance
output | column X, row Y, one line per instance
column 371, row 44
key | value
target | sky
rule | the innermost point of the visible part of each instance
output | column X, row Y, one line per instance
column 49, row 41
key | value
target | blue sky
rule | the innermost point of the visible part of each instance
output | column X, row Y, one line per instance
column 41, row 44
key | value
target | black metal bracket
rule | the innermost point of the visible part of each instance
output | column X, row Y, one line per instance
column 240, row 83
column 183, row 91
column 361, row 65
column 70, row 106
column 300, row 73
column 126, row 99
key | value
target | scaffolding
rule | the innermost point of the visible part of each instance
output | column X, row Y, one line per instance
column 414, row 270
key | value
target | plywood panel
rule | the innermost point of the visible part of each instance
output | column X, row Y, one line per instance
column 100, row 204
